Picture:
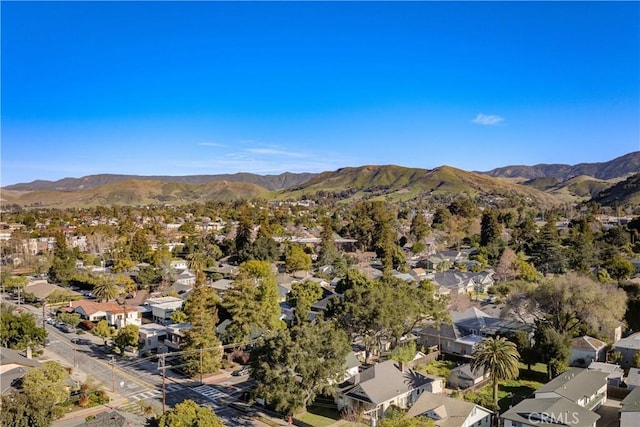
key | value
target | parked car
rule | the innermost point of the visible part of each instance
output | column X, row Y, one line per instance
column 242, row 371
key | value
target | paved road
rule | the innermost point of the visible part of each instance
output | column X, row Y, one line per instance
column 139, row 380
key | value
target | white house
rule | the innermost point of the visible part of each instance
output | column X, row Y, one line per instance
column 115, row 314
column 151, row 337
column 585, row 350
column 163, row 307
column 384, row 384
column 449, row 412
column 587, row 388
column 615, row 373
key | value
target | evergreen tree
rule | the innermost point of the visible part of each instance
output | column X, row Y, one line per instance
column 328, row 251
column 419, row 228
column 204, row 352
column 253, row 301
column 548, row 254
column 302, row 296
column 244, row 234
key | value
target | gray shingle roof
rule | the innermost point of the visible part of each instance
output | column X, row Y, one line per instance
column 575, row 384
column 631, row 342
column 631, row 403
column 451, row 412
column 384, row 381
column 543, row 411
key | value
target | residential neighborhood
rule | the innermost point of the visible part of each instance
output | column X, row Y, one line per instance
column 206, row 312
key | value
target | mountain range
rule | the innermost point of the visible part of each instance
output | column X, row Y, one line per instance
column 613, row 182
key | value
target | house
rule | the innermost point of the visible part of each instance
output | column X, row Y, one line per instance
column 221, row 286
column 151, row 337
column 466, row 330
column 384, row 384
column 587, row 388
column 351, row 365
column 41, row 290
column 459, row 282
column 175, row 335
column 628, row 347
column 464, row 377
column 614, row 372
column 163, row 307
column 556, row 411
column 115, row 314
column 449, row 412
column 585, row 350
column 13, row 366
column 629, row 413
column 633, row 378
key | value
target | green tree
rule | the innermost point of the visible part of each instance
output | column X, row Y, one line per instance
column 404, row 353
column 619, row 268
column 127, row 337
column 296, row 259
column 635, row 362
column 302, row 296
column 244, row 233
column 189, row 414
column 419, row 228
column 63, row 263
column 19, row 330
column 328, row 250
column 253, row 301
column 201, row 341
column 553, row 347
column 105, row 289
column 548, row 253
column 499, row 357
column 490, row 228
column 45, row 391
column 103, row 330
column 293, row 366
column 71, row 319
column 140, row 248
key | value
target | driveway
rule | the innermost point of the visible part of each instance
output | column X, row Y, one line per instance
column 608, row 414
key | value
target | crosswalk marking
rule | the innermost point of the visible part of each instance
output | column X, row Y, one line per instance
column 210, row 392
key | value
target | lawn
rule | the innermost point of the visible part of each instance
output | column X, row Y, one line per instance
column 319, row 416
column 509, row 393
column 440, row 368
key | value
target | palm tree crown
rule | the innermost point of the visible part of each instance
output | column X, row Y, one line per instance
column 499, row 357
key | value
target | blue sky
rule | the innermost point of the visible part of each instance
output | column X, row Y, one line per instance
column 175, row 88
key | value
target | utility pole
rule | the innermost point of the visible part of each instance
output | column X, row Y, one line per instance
column 164, row 393
column 43, row 316
column 201, row 382
column 113, row 375
column 73, row 341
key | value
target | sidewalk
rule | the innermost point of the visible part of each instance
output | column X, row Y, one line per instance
column 78, row 417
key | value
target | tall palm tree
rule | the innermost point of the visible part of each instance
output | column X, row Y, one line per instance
column 104, row 290
column 499, row 357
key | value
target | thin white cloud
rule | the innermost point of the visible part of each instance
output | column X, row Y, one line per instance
column 487, row 120
column 210, row 144
column 274, row 152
